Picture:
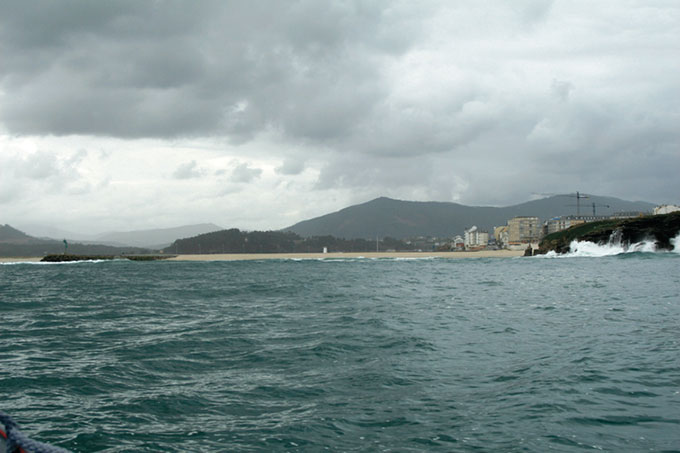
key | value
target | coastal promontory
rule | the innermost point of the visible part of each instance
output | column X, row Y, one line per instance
column 658, row 228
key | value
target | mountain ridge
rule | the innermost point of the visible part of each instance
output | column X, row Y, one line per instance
column 158, row 237
column 400, row 219
column 155, row 238
column 15, row 243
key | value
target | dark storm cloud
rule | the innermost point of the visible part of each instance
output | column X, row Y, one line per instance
column 168, row 68
column 490, row 100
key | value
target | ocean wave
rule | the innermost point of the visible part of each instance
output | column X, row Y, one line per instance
column 362, row 258
column 676, row 244
column 613, row 248
column 350, row 357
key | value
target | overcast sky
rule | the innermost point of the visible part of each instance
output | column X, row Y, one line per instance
column 123, row 115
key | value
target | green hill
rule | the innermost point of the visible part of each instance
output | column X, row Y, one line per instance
column 236, row 241
column 11, row 235
column 404, row 219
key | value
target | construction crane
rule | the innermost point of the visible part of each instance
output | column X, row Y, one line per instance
column 599, row 206
column 578, row 204
column 578, row 195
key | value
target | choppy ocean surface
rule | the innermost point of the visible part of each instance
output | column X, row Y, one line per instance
column 498, row 355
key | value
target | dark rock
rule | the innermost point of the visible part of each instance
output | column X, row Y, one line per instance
column 66, row 258
column 659, row 228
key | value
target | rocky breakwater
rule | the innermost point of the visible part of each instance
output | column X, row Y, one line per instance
column 67, row 258
column 658, row 228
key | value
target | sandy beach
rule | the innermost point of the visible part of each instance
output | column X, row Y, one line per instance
column 368, row 255
column 6, row 259
column 313, row 256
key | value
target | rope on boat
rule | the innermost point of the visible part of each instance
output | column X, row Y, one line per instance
column 18, row 442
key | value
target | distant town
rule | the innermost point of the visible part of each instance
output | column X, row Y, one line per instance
column 521, row 232
column 380, row 225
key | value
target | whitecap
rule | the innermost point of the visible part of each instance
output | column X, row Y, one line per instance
column 612, row 248
column 676, row 243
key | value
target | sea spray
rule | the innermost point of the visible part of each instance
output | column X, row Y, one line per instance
column 616, row 246
column 590, row 249
column 676, row 244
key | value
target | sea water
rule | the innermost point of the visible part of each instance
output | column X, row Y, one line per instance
column 498, row 355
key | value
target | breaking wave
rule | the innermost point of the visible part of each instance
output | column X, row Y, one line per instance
column 586, row 248
column 615, row 247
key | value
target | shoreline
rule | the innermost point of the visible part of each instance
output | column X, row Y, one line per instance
column 314, row 256
column 19, row 259
column 350, row 255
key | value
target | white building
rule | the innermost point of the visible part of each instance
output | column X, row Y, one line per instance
column 474, row 238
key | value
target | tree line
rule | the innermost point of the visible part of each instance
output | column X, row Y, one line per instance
column 237, row 241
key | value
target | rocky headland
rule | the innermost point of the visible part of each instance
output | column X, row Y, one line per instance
column 658, row 228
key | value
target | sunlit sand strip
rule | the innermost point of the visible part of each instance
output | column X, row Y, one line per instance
column 368, row 255
column 5, row 259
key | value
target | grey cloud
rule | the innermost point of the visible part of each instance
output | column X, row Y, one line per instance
column 291, row 167
column 244, row 173
column 449, row 99
column 188, row 170
column 42, row 172
column 160, row 69
column 44, row 165
column 40, row 165
column 533, row 12
column 561, row 89
column 352, row 171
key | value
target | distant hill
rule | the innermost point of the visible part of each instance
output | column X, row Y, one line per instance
column 17, row 243
column 236, row 241
column 403, row 219
column 46, row 231
column 157, row 238
column 153, row 239
column 11, row 235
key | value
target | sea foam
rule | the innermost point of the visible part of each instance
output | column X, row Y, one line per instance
column 616, row 247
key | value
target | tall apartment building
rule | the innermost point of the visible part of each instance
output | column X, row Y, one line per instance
column 524, row 229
